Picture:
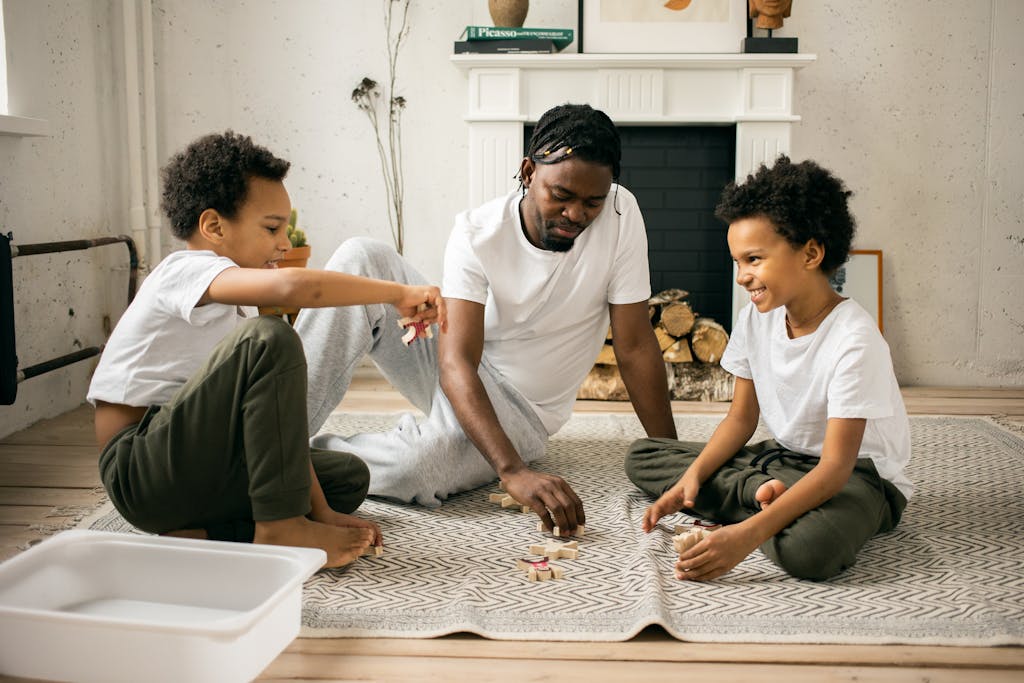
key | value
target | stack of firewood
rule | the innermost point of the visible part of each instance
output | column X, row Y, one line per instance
column 692, row 347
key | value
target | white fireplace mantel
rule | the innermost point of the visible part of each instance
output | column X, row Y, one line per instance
column 753, row 91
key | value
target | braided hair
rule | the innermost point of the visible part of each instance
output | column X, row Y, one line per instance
column 576, row 131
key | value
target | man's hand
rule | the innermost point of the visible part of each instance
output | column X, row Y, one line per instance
column 681, row 495
column 549, row 496
column 716, row 554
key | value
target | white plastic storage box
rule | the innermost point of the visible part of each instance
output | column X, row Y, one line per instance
column 98, row 606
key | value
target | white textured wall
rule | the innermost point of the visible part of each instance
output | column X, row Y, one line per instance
column 917, row 104
column 61, row 60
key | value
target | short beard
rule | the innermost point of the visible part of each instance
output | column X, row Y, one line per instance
column 556, row 244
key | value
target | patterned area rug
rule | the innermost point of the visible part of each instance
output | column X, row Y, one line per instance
column 952, row 573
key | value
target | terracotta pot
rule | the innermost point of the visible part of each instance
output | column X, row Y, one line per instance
column 508, row 12
column 297, row 257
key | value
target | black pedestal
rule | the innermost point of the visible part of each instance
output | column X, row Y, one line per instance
column 765, row 45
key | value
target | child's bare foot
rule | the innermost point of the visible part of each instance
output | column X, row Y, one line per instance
column 342, row 544
column 767, row 492
column 341, row 519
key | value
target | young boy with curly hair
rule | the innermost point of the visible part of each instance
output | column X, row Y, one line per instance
column 814, row 366
column 200, row 407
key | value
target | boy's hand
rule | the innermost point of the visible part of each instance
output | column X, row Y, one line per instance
column 434, row 311
column 681, row 495
column 716, row 554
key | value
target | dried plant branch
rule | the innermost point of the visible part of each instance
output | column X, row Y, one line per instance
column 367, row 96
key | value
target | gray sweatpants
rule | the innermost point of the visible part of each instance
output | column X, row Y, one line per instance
column 422, row 463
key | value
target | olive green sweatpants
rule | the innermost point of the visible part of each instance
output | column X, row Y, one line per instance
column 232, row 447
column 819, row 544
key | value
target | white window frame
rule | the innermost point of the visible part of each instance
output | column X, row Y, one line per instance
column 14, row 125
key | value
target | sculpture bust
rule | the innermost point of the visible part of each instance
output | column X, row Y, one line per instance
column 769, row 13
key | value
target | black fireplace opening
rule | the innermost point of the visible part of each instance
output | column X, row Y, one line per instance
column 677, row 174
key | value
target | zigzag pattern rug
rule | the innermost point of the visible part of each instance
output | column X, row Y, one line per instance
column 951, row 573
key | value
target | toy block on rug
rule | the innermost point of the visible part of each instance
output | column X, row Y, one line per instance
column 538, row 569
column 507, row 501
column 373, row 551
column 554, row 550
column 558, row 532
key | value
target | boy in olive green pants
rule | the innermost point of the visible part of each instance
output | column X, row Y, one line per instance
column 201, row 407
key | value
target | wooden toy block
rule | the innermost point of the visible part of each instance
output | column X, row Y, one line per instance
column 415, row 328
column 689, row 535
column 558, row 532
column 557, row 551
column 686, row 540
column 697, row 524
column 538, row 569
column 373, row 551
column 508, row 501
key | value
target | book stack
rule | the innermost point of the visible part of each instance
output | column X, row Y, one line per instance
column 513, row 40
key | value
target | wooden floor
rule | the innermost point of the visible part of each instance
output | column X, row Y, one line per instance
column 48, row 471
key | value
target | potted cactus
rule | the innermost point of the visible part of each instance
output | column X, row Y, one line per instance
column 298, row 256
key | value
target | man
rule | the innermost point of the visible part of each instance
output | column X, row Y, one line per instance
column 531, row 281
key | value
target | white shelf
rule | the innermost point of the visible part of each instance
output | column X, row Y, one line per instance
column 23, row 126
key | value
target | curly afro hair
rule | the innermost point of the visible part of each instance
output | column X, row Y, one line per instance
column 803, row 201
column 588, row 132
column 213, row 173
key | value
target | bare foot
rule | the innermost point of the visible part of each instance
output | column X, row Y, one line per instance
column 341, row 519
column 187, row 533
column 342, row 544
column 767, row 492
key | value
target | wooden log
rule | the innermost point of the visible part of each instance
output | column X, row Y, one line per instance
column 668, row 295
column 665, row 339
column 708, row 340
column 699, row 382
column 603, row 383
column 607, row 356
column 678, row 318
column 678, row 353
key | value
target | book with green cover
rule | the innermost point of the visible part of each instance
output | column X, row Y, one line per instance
column 561, row 37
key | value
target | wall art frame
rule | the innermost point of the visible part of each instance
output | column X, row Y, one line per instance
column 654, row 27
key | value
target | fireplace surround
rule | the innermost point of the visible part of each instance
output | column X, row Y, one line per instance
column 505, row 92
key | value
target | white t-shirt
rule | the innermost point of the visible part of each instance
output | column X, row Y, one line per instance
column 163, row 338
column 843, row 370
column 546, row 312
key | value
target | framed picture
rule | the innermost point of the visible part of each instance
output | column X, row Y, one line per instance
column 660, row 26
column 860, row 278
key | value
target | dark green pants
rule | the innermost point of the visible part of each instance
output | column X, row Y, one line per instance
column 232, row 447
column 820, row 543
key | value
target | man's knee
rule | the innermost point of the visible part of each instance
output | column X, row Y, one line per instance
column 363, row 256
